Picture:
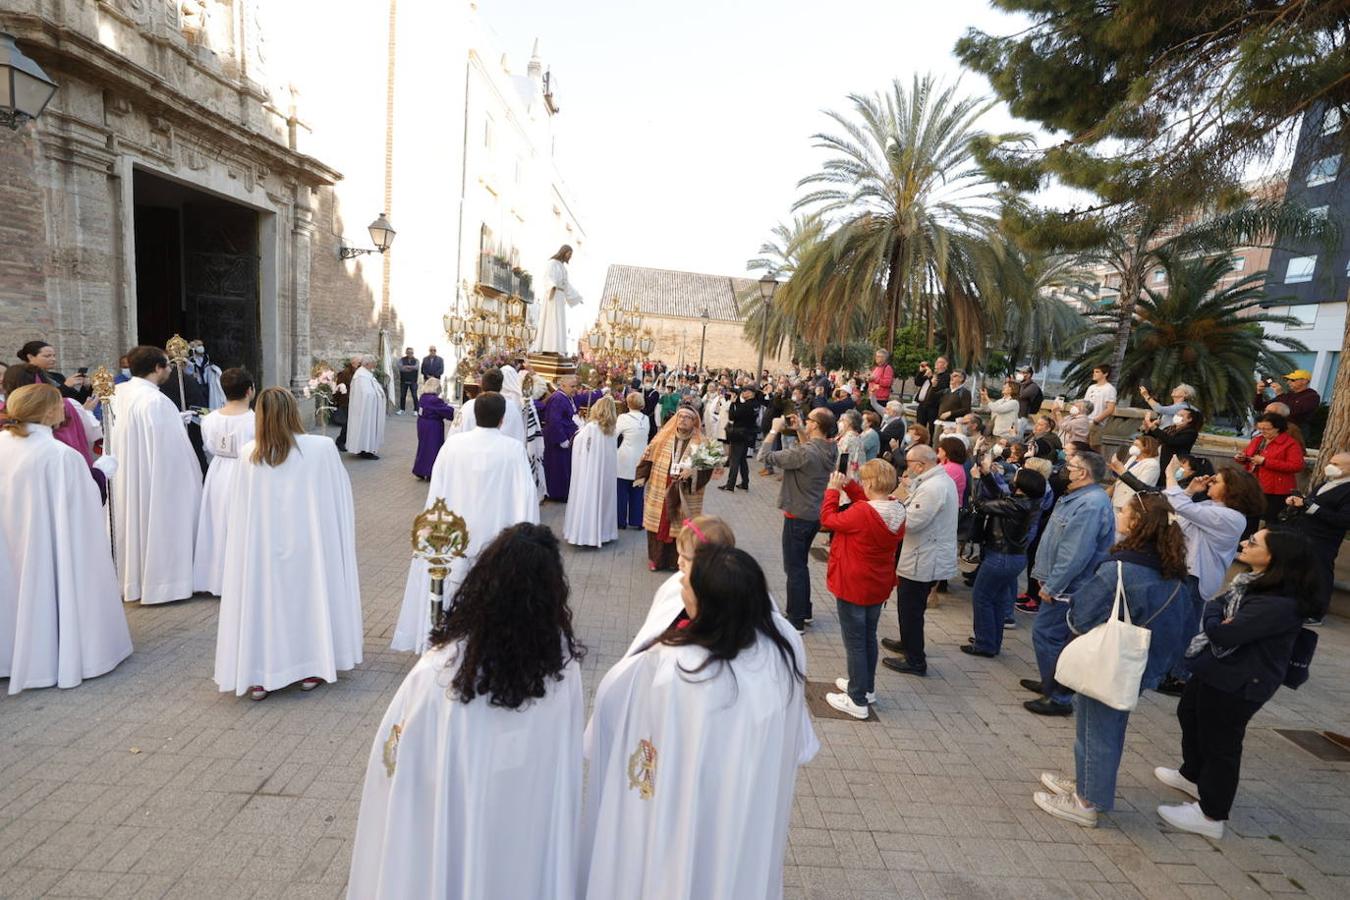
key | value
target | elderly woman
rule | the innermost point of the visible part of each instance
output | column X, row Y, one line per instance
column 432, row 415
column 1276, row 459
column 1183, row 397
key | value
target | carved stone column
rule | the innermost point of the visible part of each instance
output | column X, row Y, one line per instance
column 302, row 231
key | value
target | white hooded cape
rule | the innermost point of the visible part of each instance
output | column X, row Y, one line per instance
column 483, row 477
column 156, row 494
column 290, row 603
column 61, row 618
column 555, row 296
column 666, row 608
column 514, row 392
column 719, row 756
column 470, row 800
column 222, row 438
column 365, row 413
column 513, row 421
column 592, row 516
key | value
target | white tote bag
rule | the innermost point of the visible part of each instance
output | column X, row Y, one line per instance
column 1108, row 662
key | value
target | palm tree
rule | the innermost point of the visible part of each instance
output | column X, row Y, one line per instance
column 1038, row 319
column 915, row 213
column 1195, row 332
column 779, row 255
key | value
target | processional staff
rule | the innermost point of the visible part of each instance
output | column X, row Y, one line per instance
column 439, row 535
column 103, row 387
column 177, row 350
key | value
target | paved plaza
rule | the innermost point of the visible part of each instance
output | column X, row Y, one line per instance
column 148, row 782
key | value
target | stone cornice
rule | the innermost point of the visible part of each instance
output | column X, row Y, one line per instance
column 60, row 48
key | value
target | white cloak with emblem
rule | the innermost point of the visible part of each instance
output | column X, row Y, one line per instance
column 667, row 604
column 592, row 517
column 691, row 776
column 471, row 800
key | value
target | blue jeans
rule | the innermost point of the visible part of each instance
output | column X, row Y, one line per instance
column 797, row 537
column 1097, row 750
column 858, row 628
column 994, row 593
column 1049, row 633
column 630, row 503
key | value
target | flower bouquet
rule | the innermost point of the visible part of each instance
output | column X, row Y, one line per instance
column 707, row 455
column 323, row 388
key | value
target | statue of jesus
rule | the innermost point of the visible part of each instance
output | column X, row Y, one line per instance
column 558, row 294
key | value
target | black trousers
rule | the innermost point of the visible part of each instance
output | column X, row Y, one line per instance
column 911, row 602
column 738, row 463
column 404, row 389
column 1213, row 724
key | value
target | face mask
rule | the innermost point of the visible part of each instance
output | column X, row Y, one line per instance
column 907, row 441
column 126, row 372
column 1179, row 473
column 198, row 351
column 997, row 451
column 1334, row 471
column 1134, row 450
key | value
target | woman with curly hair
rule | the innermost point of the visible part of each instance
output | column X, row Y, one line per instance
column 473, row 788
column 694, row 746
column 1149, row 566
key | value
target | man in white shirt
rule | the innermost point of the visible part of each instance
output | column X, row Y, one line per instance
column 1102, row 396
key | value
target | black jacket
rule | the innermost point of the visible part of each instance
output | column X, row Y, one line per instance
column 1173, row 442
column 741, row 421
column 940, row 382
column 1262, row 632
column 1007, row 520
column 1030, row 397
column 1325, row 519
column 956, row 402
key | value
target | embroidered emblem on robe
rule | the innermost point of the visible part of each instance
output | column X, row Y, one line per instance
column 391, row 750
column 642, row 770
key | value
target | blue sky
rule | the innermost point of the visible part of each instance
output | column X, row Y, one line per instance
column 685, row 126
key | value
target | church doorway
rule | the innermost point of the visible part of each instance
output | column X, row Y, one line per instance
column 197, row 271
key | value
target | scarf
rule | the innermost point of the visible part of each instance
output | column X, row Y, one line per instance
column 1232, row 600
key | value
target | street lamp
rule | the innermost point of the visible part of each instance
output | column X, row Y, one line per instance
column 767, row 285
column 25, row 90
column 703, row 342
column 381, row 234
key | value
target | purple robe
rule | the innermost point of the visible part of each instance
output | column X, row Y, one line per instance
column 559, row 429
column 432, row 414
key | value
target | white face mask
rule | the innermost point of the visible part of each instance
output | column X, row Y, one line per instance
column 126, row 372
column 1178, row 473
column 1134, row 450
column 1334, row 471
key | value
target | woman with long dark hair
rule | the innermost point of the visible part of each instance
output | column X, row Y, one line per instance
column 290, row 599
column 473, row 788
column 1237, row 662
column 1148, row 565
column 694, row 746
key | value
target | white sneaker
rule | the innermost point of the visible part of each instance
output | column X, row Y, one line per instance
column 842, row 684
column 1188, row 817
column 1065, row 787
column 1066, row 807
column 842, row 703
column 1174, row 779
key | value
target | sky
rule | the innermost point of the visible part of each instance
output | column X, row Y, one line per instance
column 685, row 127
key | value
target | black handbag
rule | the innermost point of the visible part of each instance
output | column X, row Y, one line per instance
column 1300, row 658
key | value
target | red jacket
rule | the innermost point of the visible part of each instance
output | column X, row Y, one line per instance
column 879, row 385
column 1283, row 461
column 862, row 553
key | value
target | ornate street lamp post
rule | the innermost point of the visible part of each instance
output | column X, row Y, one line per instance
column 25, row 90
column 767, row 285
column 704, row 340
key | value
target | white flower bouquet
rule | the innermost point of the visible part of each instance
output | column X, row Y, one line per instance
column 323, row 388
column 707, row 455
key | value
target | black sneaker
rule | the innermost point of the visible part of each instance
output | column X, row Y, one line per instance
column 1044, row 706
column 726, row 487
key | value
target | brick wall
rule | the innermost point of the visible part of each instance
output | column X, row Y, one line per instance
column 24, row 314
column 726, row 346
column 344, row 306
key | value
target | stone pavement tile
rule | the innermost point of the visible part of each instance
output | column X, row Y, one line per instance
column 85, row 884
column 21, row 882
column 140, row 887
column 196, row 888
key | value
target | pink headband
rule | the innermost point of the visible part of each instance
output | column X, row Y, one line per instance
column 689, row 523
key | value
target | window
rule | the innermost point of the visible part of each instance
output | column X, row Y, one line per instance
column 1159, row 276
column 1320, row 212
column 1108, row 298
column 1324, row 170
column 1306, row 313
column 1237, row 263
column 1300, row 269
column 1333, row 367
column 1332, row 119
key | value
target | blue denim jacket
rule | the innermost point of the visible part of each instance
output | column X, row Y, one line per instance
column 1159, row 604
column 1080, row 532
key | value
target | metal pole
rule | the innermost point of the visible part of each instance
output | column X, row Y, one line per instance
column 763, row 337
column 703, row 342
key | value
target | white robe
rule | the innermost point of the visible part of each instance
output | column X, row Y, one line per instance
column 714, row 421
column 726, row 752
column 483, row 476
column 222, row 438
column 365, row 413
column 61, row 618
column 483, row 802
column 593, row 499
column 290, row 604
column 665, row 609
column 557, row 294
column 513, row 420
column 156, row 495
